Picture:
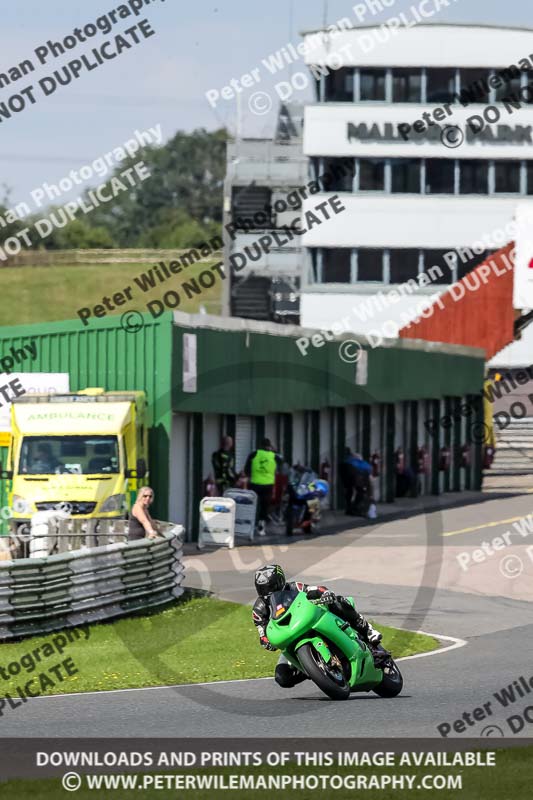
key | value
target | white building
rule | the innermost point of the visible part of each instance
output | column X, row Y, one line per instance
column 419, row 191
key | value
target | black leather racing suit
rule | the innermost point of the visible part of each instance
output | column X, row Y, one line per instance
column 287, row 675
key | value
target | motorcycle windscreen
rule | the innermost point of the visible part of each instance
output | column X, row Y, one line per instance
column 280, row 602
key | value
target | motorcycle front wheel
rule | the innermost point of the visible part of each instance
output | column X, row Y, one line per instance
column 329, row 677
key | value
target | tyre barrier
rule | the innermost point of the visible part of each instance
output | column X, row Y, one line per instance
column 40, row 595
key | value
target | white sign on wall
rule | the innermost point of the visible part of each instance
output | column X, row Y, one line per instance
column 385, row 130
column 32, row 383
column 190, row 367
column 523, row 271
column 361, row 375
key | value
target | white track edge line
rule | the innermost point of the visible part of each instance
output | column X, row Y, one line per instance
column 151, row 688
column 456, row 644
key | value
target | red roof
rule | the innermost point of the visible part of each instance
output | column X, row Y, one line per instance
column 476, row 311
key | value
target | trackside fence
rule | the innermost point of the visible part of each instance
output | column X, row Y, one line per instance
column 39, row 595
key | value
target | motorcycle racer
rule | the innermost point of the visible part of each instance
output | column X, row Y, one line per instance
column 271, row 578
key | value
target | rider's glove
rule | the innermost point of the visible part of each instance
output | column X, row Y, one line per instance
column 372, row 635
column 328, row 597
column 266, row 644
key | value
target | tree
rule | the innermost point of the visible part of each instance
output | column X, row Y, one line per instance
column 79, row 235
column 11, row 224
column 177, row 230
column 180, row 202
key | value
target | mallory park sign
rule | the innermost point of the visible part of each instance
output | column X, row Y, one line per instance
column 474, row 130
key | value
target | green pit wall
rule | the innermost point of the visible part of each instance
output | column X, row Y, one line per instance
column 243, row 367
column 247, row 372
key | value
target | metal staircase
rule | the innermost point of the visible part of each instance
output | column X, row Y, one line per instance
column 251, row 298
column 514, row 448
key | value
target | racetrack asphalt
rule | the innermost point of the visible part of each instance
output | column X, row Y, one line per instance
column 438, row 689
column 490, row 610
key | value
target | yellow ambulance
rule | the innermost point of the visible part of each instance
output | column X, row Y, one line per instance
column 88, row 449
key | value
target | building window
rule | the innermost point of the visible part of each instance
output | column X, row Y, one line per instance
column 527, row 96
column 337, row 266
column 339, row 85
column 407, row 86
column 507, row 176
column 371, row 174
column 337, row 174
column 510, row 84
column 440, row 176
column 529, row 175
column 369, row 265
column 474, row 86
column 403, row 265
column 314, row 265
column 466, row 264
column 435, row 258
column 372, row 84
column 473, row 177
column 440, row 86
column 405, row 175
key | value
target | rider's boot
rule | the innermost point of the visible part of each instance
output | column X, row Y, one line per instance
column 359, row 623
column 288, row 676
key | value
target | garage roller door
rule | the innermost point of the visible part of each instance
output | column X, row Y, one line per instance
column 244, row 443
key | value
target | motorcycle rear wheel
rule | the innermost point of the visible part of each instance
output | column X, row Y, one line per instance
column 331, row 680
column 392, row 683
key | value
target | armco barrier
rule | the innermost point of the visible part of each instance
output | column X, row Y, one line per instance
column 39, row 595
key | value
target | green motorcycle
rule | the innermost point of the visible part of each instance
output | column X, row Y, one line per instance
column 327, row 649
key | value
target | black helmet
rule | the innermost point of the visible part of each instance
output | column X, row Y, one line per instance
column 268, row 579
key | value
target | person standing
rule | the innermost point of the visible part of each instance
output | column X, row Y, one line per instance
column 348, row 478
column 141, row 524
column 355, row 476
column 223, row 461
column 261, row 467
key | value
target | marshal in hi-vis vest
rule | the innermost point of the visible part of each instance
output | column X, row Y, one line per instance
column 263, row 468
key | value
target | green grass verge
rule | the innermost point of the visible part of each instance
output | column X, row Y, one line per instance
column 196, row 640
column 511, row 777
column 53, row 293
